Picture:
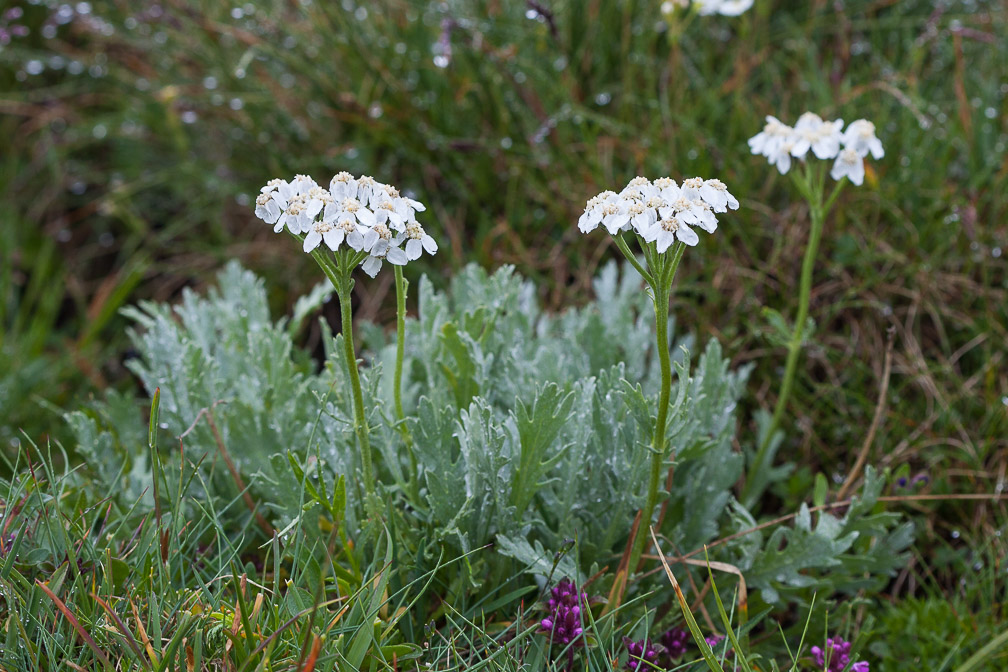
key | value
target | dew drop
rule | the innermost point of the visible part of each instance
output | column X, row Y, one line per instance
column 603, row 98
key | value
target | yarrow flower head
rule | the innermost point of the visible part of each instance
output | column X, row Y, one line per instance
column 723, row 7
column 362, row 214
column 779, row 143
column 564, row 619
column 643, row 655
column 836, row 657
column 660, row 212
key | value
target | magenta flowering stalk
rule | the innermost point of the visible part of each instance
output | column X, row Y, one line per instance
column 836, row 657
column 355, row 222
column 663, row 217
column 642, row 655
column 825, row 140
column 564, row 622
column 674, row 643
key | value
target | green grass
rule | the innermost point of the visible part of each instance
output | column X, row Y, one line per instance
column 110, row 195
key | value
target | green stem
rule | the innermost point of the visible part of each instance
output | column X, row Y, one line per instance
column 818, row 215
column 625, row 249
column 659, row 449
column 402, row 285
column 339, row 275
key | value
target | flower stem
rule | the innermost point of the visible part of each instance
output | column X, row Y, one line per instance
column 817, row 212
column 339, row 275
column 659, row 450
column 402, row 285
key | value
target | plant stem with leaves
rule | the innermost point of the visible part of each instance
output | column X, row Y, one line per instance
column 811, row 183
column 402, row 285
column 659, row 275
column 340, row 275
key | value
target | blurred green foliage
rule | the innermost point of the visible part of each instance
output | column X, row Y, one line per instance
column 136, row 134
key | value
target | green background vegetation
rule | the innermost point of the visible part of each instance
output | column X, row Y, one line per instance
column 136, row 136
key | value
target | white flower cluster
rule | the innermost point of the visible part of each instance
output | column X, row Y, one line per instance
column 723, row 7
column 779, row 142
column 361, row 213
column 708, row 7
column 661, row 211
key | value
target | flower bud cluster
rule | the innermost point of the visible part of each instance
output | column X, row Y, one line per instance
column 827, row 140
column 661, row 211
column 564, row 622
column 360, row 213
column 643, row 655
column 836, row 657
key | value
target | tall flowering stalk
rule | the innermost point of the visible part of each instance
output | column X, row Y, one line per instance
column 354, row 222
column 826, row 141
column 661, row 216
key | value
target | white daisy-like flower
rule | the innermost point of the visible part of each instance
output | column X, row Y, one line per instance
column 849, row 164
column 641, row 216
column 822, row 137
column 369, row 191
column 860, row 136
column 334, row 233
column 417, row 240
column 665, row 232
column 723, row 7
column 381, row 245
column 343, row 185
column 350, row 206
column 660, row 212
column 598, row 209
column 715, row 194
column 692, row 212
column 768, row 142
column 734, row 7
column 406, row 206
column 269, row 206
column 780, row 157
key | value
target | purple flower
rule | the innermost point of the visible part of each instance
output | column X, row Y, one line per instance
column 643, row 655
column 563, row 623
column 675, row 640
column 836, row 657
column 714, row 640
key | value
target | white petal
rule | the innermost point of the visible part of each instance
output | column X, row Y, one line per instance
column 413, row 249
column 396, row 256
column 333, row 238
column 355, row 239
column 370, row 238
column 687, row 235
column 312, row 240
column 429, row 244
column 366, row 217
column 665, row 238
column 371, row 266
